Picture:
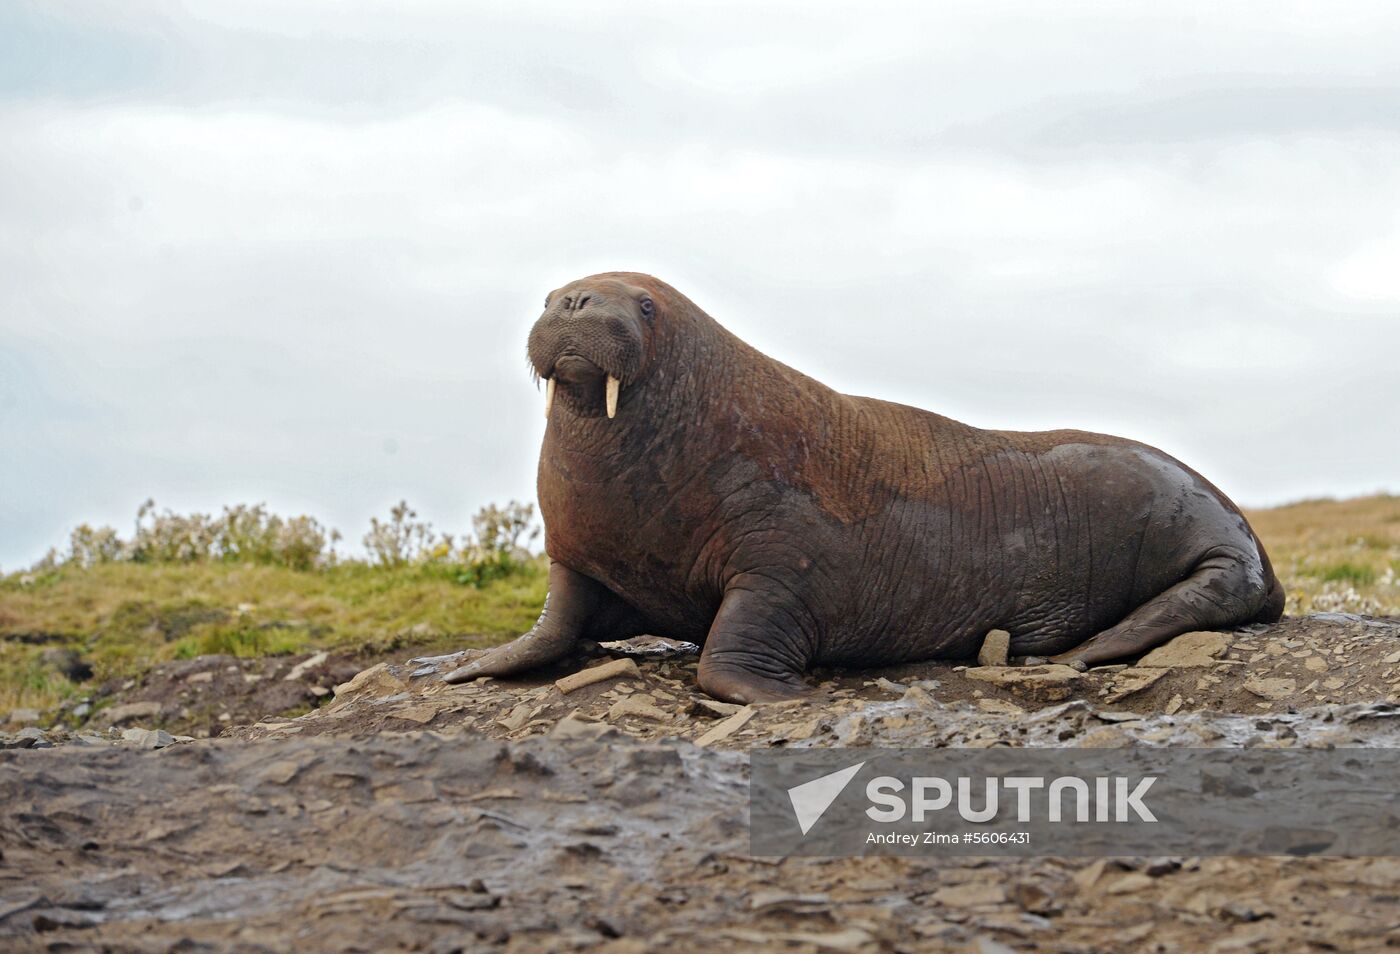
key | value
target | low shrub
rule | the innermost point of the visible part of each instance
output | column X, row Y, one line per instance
column 245, row 533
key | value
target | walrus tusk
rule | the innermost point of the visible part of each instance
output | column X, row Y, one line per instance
column 614, row 385
column 548, row 396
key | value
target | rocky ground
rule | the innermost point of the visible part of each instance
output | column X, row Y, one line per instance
column 605, row 809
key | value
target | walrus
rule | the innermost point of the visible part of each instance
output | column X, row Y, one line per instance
column 695, row 488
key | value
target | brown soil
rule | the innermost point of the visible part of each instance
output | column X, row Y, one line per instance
column 510, row 815
column 1300, row 664
column 202, row 697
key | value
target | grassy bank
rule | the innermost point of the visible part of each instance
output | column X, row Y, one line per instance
column 121, row 618
column 1336, row 555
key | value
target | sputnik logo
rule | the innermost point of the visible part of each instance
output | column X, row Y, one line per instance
column 810, row 800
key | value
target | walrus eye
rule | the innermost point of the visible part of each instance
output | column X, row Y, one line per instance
column 647, row 307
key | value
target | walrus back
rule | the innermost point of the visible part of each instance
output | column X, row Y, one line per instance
column 1091, row 525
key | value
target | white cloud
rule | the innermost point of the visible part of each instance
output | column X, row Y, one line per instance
column 310, row 238
column 1372, row 272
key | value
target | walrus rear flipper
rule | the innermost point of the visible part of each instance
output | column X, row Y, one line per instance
column 1226, row 589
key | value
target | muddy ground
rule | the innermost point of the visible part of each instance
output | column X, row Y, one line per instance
column 534, row 815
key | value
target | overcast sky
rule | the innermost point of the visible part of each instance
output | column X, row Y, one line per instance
column 287, row 252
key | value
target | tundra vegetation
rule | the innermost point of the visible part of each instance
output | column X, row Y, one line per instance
column 1335, row 556
column 251, row 583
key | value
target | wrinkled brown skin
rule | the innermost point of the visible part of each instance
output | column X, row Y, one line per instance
column 741, row 505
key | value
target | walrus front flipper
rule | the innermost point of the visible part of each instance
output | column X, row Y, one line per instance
column 572, row 603
column 1226, row 589
column 753, row 652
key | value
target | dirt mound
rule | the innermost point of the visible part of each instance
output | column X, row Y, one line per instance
column 201, row 697
column 1290, row 674
column 611, row 816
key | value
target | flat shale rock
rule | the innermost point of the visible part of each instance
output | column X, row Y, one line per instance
column 1050, row 682
column 1198, row 648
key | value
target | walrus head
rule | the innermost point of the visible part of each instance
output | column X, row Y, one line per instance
column 592, row 341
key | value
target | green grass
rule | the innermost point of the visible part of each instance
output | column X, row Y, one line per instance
column 1357, row 574
column 1336, row 555
column 125, row 617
